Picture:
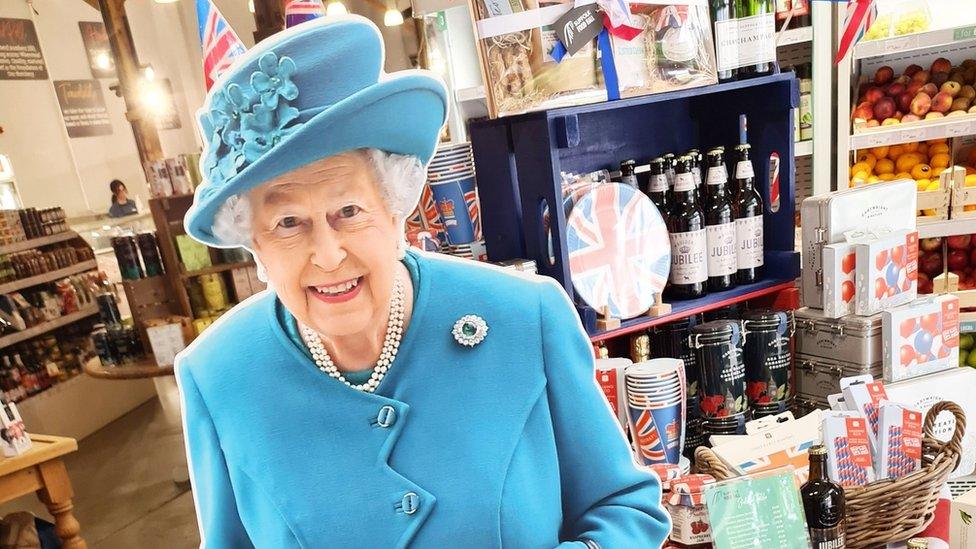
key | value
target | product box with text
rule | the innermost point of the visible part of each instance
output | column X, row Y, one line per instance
column 887, row 271
column 846, row 436
column 839, row 290
column 921, row 337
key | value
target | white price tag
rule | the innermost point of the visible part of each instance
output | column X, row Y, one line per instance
column 899, row 44
column 913, row 135
column 878, row 140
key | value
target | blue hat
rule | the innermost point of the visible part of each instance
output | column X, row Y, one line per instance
column 307, row 93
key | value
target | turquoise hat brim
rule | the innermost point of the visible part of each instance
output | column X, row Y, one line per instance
column 402, row 115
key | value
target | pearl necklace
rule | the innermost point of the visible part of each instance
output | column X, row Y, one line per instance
column 391, row 343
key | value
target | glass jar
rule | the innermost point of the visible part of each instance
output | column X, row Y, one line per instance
column 767, row 336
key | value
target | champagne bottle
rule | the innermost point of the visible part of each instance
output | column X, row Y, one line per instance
column 757, row 37
column 686, row 225
column 726, row 48
column 748, row 207
column 823, row 504
column 719, row 226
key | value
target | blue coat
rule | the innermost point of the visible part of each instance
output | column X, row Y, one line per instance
column 506, row 444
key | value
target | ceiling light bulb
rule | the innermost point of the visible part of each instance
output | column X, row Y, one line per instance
column 149, row 73
column 392, row 18
column 335, row 8
column 103, row 61
column 250, row 6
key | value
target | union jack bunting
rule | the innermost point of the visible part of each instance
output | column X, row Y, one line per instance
column 860, row 16
column 218, row 40
column 649, row 441
column 619, row 251
column 300, row 11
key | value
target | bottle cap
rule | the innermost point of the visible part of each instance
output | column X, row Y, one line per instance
column 818, row 450
column 918, row 543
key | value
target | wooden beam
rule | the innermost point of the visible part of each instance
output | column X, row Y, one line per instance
column 92, row 3
column 130, row 80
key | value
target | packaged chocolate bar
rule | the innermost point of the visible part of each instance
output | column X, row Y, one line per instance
column 846, row 436
column 921, row 337
column 899, row 441
column 887, row 271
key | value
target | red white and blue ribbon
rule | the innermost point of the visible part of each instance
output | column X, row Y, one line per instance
column 300, row 11
column 860, row 16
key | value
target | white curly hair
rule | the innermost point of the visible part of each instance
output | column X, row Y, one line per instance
column 400, row 178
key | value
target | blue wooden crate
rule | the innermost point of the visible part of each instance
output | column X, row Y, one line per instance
column 518, row 160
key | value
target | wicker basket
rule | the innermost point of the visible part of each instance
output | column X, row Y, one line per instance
column 887, row 510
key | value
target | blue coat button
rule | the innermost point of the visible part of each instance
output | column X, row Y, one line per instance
column 410, row 503
column 386, row 417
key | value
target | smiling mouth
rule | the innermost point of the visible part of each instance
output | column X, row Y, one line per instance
column 342, row 291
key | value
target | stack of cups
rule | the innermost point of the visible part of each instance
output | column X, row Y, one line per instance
column 450, row 176
column 656, row 409
column 671, row 341
column 722, row 393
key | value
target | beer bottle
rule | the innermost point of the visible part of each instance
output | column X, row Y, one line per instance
column 823, row 504
column 657, row 187
column 669, row 161
column 696, row 161
column 686, row 225
column 627, row 176
column 719, row 225
column 748, row 207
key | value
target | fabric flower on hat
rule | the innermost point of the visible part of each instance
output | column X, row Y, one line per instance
column 227, row 110
column 266, row 127
column 273, row 81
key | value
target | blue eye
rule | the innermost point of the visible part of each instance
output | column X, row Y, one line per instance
column 289, row 222
column 349, row 211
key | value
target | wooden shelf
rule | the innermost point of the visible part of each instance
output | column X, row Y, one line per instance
column 37, row 242
column 949, row 227
column 48, row 277
column 46, row 327
column 683, row 309
column 911, row 132
column 917, row 41
column 803, row 148
column 218, row 269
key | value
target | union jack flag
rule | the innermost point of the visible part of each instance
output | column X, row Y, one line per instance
column 860, row 16
column 794, row 455
column 219, row 41
column 619, row 250
column 300, row 11
column 474, row 211
column 649, row 441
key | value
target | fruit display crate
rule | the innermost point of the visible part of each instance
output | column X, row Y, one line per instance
column 912, row 132
column 919, row 41
column 962, row 196
column 519, row 160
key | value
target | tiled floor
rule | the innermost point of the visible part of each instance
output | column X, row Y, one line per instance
column 125, row 496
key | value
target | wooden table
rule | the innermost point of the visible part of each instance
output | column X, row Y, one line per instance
column 41, row 471
column 144, row 368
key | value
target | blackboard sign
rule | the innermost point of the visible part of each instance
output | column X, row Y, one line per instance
column 20, row 52
column 83, row 107
column 100, row 57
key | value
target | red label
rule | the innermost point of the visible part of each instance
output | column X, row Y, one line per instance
column 912, row 432
column 608, row 382
column 911, row 257
column 857, row 442
column 950, row 322
column 877, row 392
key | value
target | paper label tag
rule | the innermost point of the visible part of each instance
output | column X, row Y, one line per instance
column 578, row 26
column 721, row 249
column 688, row 263
column 658, row 183
column 950, row 323
column 716, row 175
column 857, row 442
column 608, row 382
column 684, row 182
column 743, row 170
column 912, row 433
column 749, row 239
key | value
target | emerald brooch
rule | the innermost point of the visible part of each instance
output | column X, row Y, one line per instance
column 470, row 330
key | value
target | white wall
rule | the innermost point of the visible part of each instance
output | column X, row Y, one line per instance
column 74, row 173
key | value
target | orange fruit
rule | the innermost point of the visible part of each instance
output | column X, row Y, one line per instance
column 882, row 152
column 970, row 180
column 933, row 186
column 907, row 161
column 861, row 167
column 923, row 148
column 867, row 158
column 911, row 147
column 903, row 175
column 921, row 185
column 940, row 161
column 887, row 177
column 895, row 151
column 922, row 171
column 938, row 148
column 940, row 141
column 884, row 166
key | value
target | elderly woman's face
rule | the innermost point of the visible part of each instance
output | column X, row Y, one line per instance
column 328, row 242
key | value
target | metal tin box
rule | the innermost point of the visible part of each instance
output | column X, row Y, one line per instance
column 853, row 339
column 818, row 377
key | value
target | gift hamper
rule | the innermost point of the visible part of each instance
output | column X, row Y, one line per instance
column 887, row 510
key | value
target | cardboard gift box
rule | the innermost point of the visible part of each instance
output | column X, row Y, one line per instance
column 887, row 271
column 921, row 337
column 962, row 527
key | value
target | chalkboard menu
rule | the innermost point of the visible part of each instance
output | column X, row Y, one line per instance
column 83, row 107
column 20, row 52
column 96, row 46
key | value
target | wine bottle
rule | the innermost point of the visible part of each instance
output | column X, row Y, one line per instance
column 726, row 46
column 686, row 225
column 756, row 22
column 657, row 187
column 719, row 225
column 823, row 504
column 748, row 207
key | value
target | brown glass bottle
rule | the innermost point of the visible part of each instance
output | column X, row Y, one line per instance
column 686, row 227
column 657, row 186
column 719, row 225
column 823, row 504
column 748, row 206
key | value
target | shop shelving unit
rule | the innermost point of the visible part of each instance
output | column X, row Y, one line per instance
column 519, row 159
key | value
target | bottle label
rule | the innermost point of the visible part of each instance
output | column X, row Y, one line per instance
column 743, row 170
column 746, row 41
column 749, row 238
column 688, row 262
column 717, row 176
column 629, row 180
column 658, row 183
column 806, row 116
column 721, row 249
column 684, row 182
column 828, row 538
